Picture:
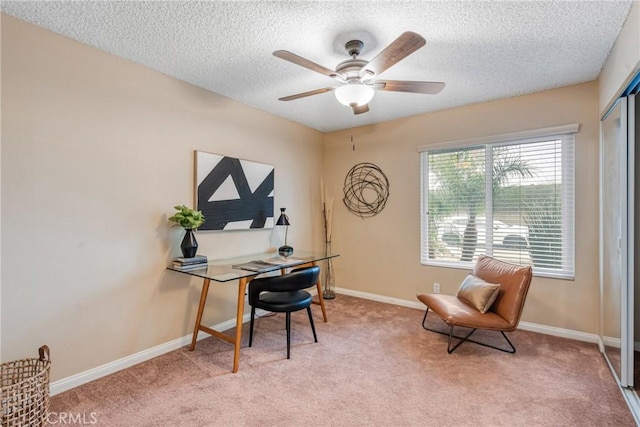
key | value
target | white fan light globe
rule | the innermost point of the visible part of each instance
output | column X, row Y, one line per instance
column 354, row 93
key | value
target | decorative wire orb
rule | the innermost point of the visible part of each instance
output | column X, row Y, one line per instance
column 366, row 190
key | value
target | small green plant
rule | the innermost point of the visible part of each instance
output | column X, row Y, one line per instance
column 187, row 218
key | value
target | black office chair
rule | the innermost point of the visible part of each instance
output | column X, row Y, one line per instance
column 284, row 294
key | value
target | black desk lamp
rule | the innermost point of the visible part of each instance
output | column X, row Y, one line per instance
column 284, row 220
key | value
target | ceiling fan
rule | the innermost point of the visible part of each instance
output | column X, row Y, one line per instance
column 357, row 77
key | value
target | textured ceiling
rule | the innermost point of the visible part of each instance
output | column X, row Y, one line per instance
column 482, row 50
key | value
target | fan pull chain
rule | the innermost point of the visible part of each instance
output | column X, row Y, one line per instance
column 353, row 144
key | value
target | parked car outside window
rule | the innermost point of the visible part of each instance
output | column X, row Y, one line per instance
column 509, row 236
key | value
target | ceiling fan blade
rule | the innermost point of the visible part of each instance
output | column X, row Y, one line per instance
column 305, row 94
column 430, row 88
column 298, row 60
column 360, row 109
column 399, row 49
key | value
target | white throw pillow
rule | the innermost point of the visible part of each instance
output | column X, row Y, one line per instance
column 478, row 293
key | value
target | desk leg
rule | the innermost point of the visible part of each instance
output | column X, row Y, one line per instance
column 203, row 300
column 320, row 298
column 321, row 301
column 242, row 286
column 318, row 286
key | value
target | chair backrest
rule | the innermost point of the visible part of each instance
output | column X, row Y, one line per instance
column 296, row 280
column 514, row 281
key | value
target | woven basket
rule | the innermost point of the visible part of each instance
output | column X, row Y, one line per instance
column 25, row 390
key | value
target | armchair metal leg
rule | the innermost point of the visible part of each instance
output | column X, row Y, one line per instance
column 466, row 338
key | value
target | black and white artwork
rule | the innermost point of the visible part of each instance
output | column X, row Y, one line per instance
column 233, row 194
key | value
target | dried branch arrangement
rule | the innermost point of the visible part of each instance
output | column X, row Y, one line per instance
column 327, row 211
column 327, row 214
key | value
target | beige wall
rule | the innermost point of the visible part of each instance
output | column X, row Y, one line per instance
column 96, row 151
column 381, row 254
column 621, row 66
column 623, row 61
column 0, row 192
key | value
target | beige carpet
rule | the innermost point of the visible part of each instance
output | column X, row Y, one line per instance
column 374, row 365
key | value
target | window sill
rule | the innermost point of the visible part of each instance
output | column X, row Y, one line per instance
column 468, row 266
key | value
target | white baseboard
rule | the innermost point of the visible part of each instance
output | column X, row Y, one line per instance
column 381, row 298
column 611, row 342
column 525, row 326
column 616, row 343
column 559, row 332
column 68, row 383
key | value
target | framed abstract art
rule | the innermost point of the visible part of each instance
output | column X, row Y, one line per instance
column 233, row 194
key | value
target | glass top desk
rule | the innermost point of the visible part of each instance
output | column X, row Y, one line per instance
column 227, row 270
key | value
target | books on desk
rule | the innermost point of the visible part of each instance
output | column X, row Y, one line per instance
column 190, row 267
column 279, row 260
column 268, row 264
column 198, row 261
column 192, row 260
column 257, row 266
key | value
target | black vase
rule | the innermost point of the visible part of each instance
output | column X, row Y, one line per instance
column 189, row 244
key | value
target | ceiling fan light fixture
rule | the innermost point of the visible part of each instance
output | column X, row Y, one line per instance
column 354, row 93
column 357, row 78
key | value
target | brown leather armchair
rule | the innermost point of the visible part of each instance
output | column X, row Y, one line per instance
column 503, row 315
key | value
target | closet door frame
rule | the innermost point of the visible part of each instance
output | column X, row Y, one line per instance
column 626, row 161
column 628, row 314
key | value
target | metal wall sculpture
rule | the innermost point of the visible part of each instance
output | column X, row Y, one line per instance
column 366, row 190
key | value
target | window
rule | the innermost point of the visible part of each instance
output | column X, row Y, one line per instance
column 510, row 197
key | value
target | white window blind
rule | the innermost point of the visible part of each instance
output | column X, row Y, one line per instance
column 513, row 200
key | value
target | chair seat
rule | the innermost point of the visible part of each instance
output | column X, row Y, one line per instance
column 283, row 302
column 284, row 294
column 455, row 312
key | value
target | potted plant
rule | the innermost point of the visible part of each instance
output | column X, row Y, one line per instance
column 189, row 219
